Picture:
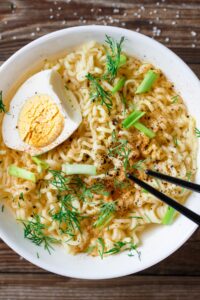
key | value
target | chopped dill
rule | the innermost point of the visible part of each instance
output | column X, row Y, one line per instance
column 106, row 212
column 2, row 105
column 89, row 249
column 38, row 256
column 139, row 165
column 68, row 217
column 124, row 246
column 34, row 231
column 117, row 248
column 122, row 150
column 197, row 132
column 21, row 196
column 2, row 208
column 101, row 247
column 98, row 93
column 113, row 57
column 60, row 181
column 148, row 219
column 121, row 184
column 175, row 141
column 175, row 99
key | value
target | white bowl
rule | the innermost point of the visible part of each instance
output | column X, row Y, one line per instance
column 157, row 243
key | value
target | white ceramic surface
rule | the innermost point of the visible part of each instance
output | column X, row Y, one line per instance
column 157, row 243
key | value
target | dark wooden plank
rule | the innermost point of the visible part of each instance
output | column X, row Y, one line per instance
column 13, row 287
column 171, row 22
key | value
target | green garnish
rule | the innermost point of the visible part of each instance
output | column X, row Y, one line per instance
column 169, row 216
column 2, row 208
column 147, row 217
column 197, row 132
column 71, row 169
column 122, row 150
column 175, row 141
column 2, row 105
column 34, row 231
column 148, row 132
column 38, row 256
column 98, row 93
column 59, row 180
column 175, row 99
column 124, row 101
column 68, row 217
column 147, row 82
column 132, row 118
column 21, row 196
column 122, row 60
column 21, row 173
column 42, row 165
column 118, row 85
column 136, row 217
column 106, row 213
column 117, row 248
column 101, row 247
column 114, row 58
column 83, row 191
column 90, row 249
column 139, row 165
column 121, row 184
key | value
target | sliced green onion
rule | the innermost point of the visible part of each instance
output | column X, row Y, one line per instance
column 21, row 173
column 132, row 118
column 118, row 85
column 147, row 82
column 122, row 60
column 79, row 169
column 148, row 132
column 169, row 216
column 42, row 165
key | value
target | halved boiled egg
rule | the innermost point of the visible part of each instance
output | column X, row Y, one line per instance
column 42, row 115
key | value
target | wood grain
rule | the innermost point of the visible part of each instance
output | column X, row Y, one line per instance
column 177, row 25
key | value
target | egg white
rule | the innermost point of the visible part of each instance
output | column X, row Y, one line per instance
column 48, row 82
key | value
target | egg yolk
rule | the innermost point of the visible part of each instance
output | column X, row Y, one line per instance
column 40, row 121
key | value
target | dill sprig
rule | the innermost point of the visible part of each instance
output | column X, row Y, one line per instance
column 123, row 246
column 83, row 191
column 34, row 231
column 60, row 181
column 113, row 57
column 68, row 217
column 2, row 105
column 122, row 150
column 105, row 214
column 139, row 165
column 98, row 93
column 117, row 248
column 101, row 247
column 197, row 132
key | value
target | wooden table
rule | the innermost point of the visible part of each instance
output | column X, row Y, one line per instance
column 175, row 24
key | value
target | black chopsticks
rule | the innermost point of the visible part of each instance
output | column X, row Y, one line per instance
column 186, row 184
column 171, row 202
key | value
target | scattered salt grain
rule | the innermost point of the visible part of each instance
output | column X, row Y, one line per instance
column 123, row 24
column 193, row 33
column 137, row 29
column 63, row 22
column 50, row 9
column 193, row 45
column 59, row 8
column 51, row 17
column 116, row 10
column 37, row 29
column 14, row 37
column 166, row 39
column 92, row 9
column 173, row 22
column 32, row 33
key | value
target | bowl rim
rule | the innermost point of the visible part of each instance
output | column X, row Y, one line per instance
column 78, row 30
